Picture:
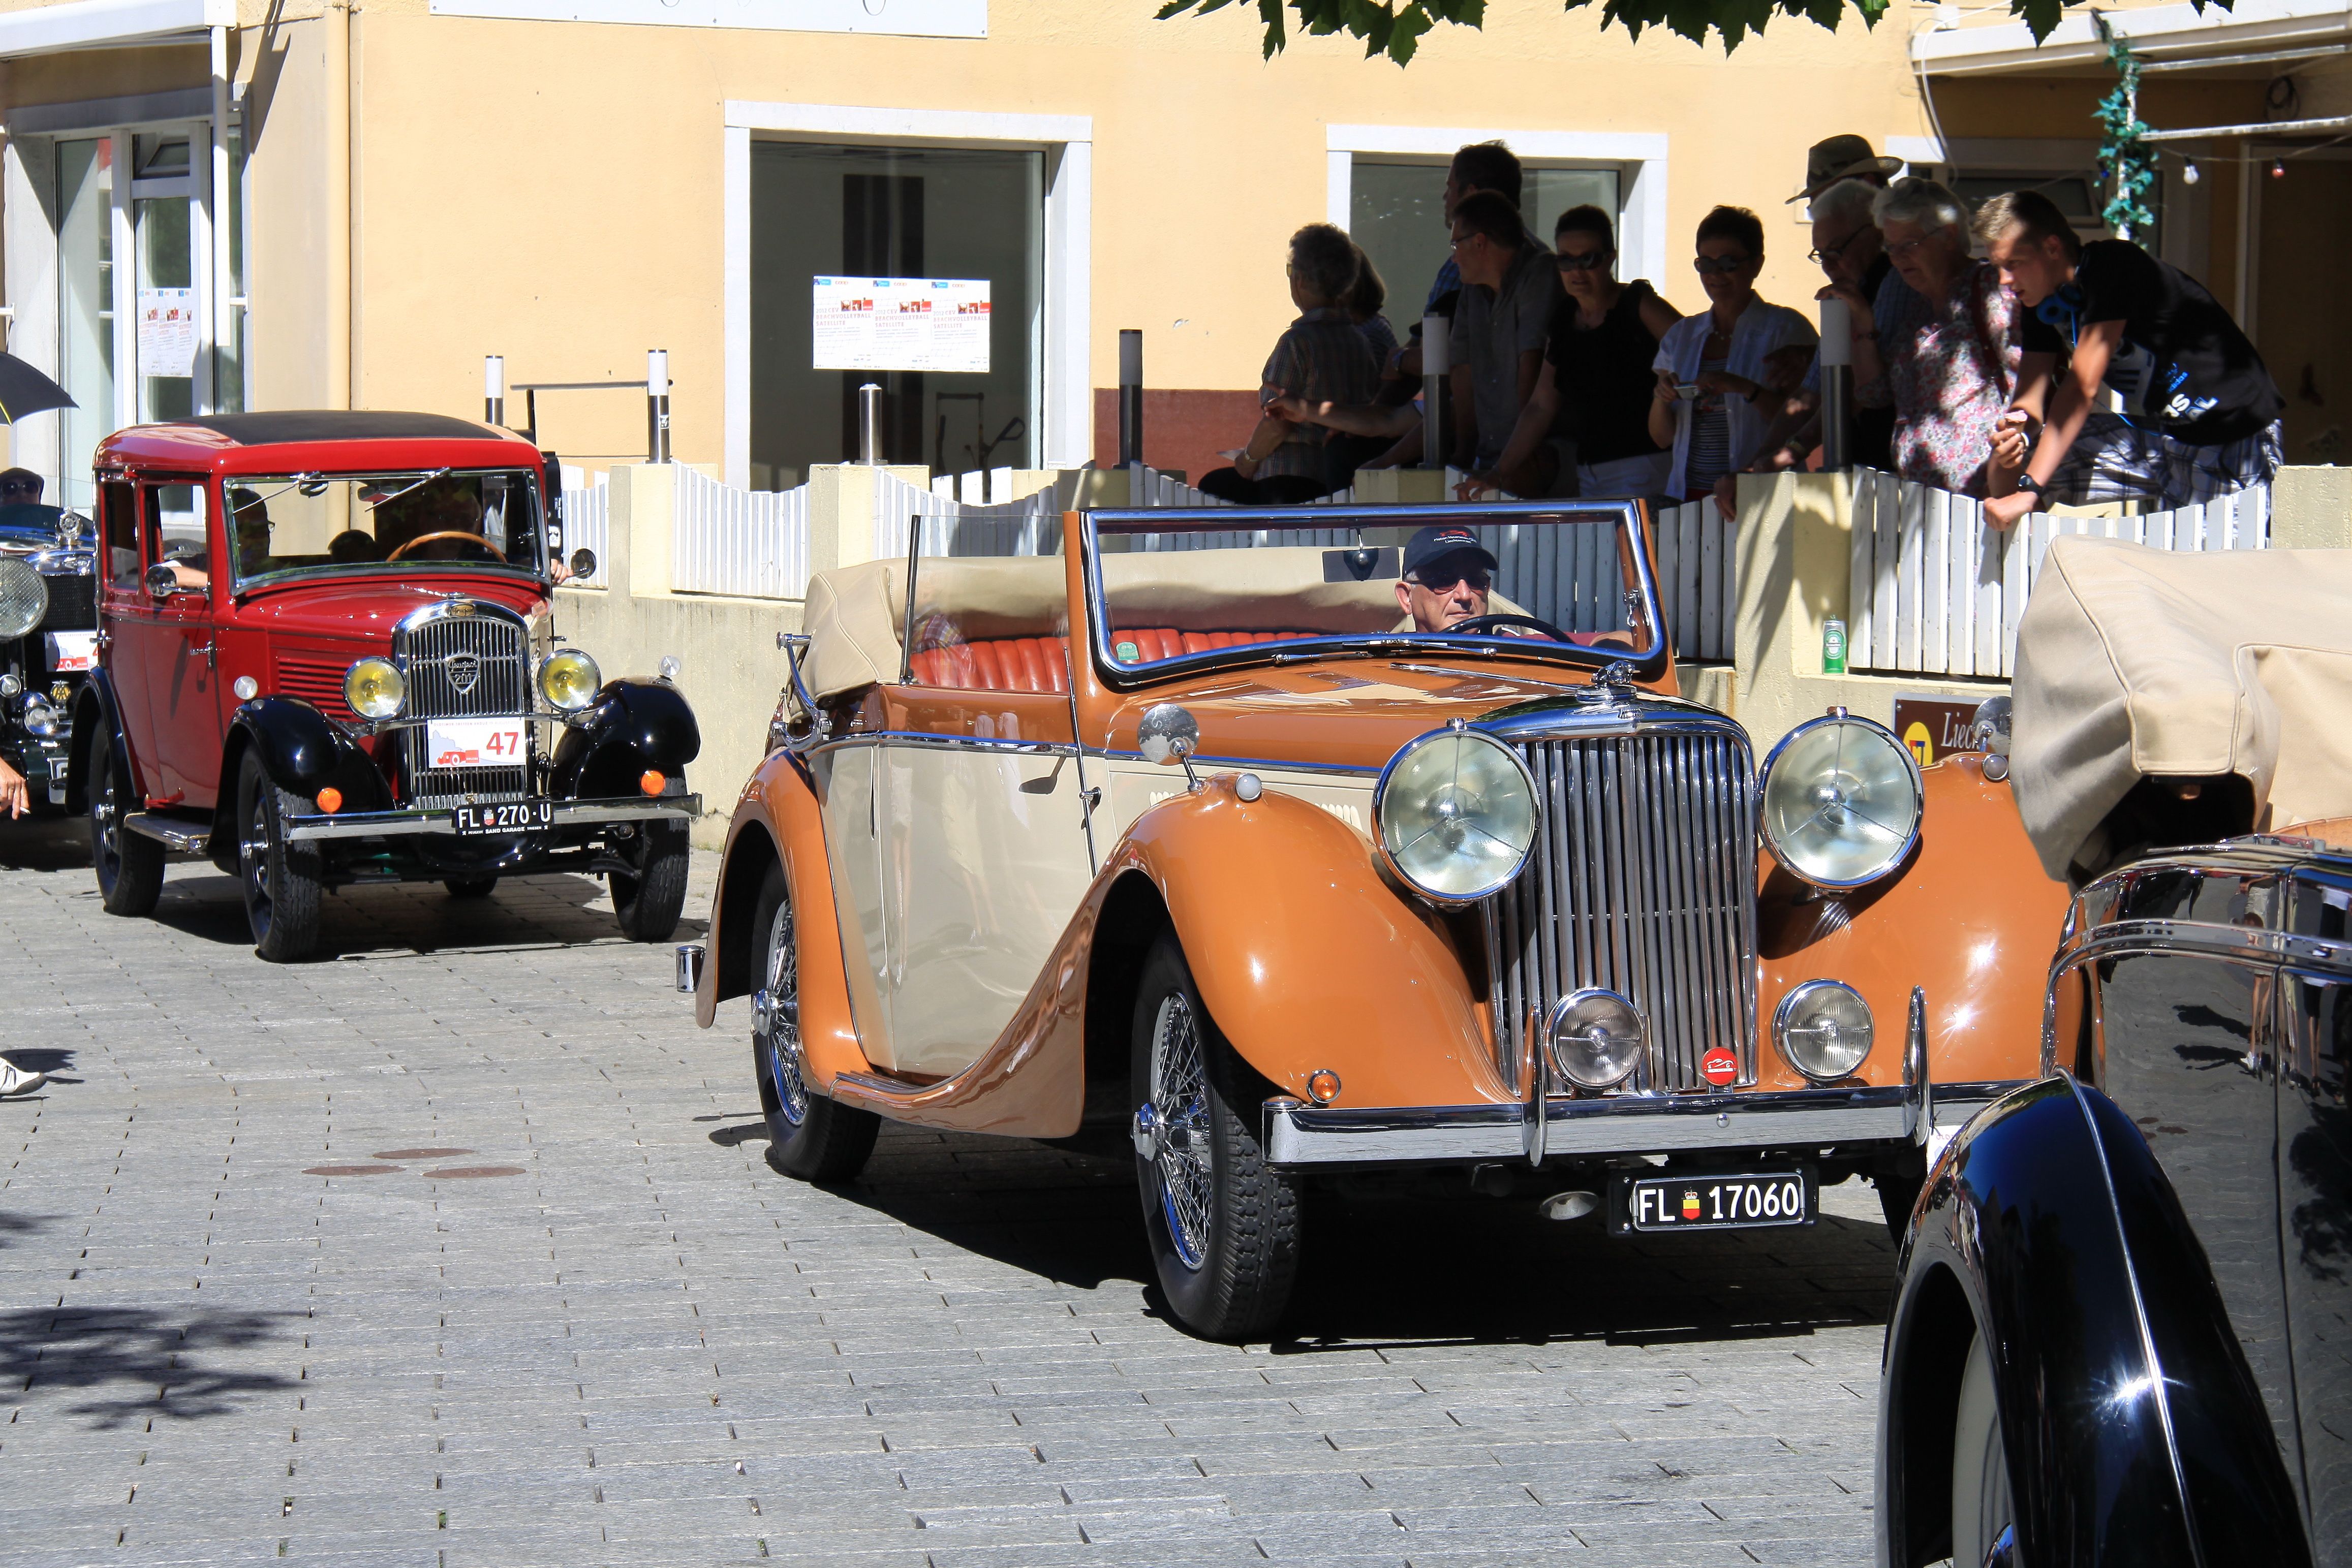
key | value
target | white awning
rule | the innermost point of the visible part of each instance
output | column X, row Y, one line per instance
column 110, row 24
column 2157, row 33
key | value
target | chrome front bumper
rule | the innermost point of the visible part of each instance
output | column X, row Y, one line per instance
column 568, row 814
column 1299, row 1134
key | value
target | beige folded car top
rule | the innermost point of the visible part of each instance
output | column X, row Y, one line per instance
column 855, row 613
column 2134, row 662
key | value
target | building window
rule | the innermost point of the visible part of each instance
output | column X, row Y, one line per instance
column 901, row 213
column 85, row 217
column 1397, row 212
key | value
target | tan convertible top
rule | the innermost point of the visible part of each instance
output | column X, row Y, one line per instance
column 855, row 613
column 2135, row 663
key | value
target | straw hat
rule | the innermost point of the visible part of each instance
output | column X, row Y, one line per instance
column 1843, row 158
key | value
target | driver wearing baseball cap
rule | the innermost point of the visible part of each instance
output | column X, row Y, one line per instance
column 1447, row 574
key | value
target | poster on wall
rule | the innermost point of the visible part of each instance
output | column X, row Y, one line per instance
column 901, row 324
column 167, row 331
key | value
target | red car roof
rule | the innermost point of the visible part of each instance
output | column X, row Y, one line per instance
column 301, row 439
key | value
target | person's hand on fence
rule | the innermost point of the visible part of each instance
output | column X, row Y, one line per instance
column 1858, row 307
column 2004, row 512
column 1727, row 497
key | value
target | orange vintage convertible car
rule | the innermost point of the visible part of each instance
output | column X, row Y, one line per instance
column 1287, row 855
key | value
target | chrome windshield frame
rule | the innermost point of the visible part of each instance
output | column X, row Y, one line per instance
column 1629, row 515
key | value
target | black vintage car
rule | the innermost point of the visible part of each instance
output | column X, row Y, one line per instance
column 48, row 642
column 2123, row 1326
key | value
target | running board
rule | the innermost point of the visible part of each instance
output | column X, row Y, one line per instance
column 168, row 831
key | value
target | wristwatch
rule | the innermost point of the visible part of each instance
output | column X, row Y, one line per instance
column 2029, row 484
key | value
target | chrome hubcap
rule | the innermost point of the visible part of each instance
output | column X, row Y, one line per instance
column 1175, row 1121
column 253, row 849
column 776, row 1019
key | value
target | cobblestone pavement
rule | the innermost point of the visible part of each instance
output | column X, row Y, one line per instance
column 459, row 1248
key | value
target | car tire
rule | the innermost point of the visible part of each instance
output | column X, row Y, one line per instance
column 470, row 886
column 130, row 866
column 1983, row 1509
column 279, row 880
column 1223, row 1228
column 648, row 903
column 808, row 1137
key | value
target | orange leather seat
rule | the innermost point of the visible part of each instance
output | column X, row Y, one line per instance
column 1042, row 663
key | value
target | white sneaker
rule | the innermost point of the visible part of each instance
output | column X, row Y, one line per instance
column 14, row 1080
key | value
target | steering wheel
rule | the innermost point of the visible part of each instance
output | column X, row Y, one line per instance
column 454, row 535
column 1495, row 622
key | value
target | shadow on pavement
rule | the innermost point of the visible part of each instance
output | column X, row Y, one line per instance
column 45, row 843
column 116, row 1365
column 50, row 1059
column 412, row 917
column 16, row 1225
column 1391, row 1269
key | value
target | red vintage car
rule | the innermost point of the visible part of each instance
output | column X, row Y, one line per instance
column 328, row 654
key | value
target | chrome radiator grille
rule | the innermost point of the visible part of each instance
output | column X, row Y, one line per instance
column 461, row 666
column 1643, row 883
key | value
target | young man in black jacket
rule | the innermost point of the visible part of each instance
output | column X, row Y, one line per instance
column 2199, row 415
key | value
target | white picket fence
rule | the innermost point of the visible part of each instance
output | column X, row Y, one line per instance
column 588, row 522
column 750, row 543
column 1030, row 524
column 1935, row 591
column 1698, row 579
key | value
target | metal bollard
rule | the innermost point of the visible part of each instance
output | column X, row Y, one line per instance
column 869, row 424
column 656, row 406
column 1837, row 385
column 1434, row 362
column 494, row 388
column 1130, row 396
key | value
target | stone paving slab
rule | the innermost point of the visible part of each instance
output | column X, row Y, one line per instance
column 644, row 1345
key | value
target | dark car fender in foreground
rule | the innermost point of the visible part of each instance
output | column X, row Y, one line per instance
column 635, row 724
column 2132, row 1425
column 303, row 751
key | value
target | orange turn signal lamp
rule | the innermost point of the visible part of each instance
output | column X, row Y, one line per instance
column 331, row 800
column 651, row 781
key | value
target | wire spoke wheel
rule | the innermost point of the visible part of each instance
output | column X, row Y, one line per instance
column 1179, row 1094
column 778, row 1025
column 253, row 857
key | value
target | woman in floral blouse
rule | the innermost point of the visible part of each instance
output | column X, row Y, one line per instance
column 1952, row 364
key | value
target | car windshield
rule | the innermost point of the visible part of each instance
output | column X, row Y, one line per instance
column 1535, row 578
column 374, row 522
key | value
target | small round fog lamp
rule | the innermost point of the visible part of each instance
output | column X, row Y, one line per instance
column 374, row 688
column 245, row 687
column 331, row 800
column 1594, row 1039
column 651, row 781
column 569, row 680
column 1823, row 1030
column 1322, row 1086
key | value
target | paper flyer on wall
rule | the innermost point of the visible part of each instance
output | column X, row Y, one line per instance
column 901, row 324
column 167, row 331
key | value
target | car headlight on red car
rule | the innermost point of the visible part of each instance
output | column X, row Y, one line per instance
column 375, row 688
column 569, row 680
column 1454, row 814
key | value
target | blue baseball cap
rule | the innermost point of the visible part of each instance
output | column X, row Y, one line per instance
column 1437, row 542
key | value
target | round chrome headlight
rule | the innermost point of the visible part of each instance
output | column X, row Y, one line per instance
column 1842, row 802
column 1456, row 813
column 1594, row 1039
column 374, row 688
column 569, row 680
column 41, row 719
column 1823, row 1030
column 24, row 597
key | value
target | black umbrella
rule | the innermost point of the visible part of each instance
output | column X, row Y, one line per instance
column 25, row 390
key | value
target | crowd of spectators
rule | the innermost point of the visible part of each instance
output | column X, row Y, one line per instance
column 1985, row 350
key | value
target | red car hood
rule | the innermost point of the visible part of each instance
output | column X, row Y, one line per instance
column 363, row 610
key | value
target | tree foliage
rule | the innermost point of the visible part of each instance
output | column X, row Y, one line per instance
column 2129, row 161
column 1394, row 28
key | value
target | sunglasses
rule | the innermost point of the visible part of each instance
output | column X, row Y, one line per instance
column 1587, row 261
column 1440, row 580
column 19, row 488
column 1707, row 264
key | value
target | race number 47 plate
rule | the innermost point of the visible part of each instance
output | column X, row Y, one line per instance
column 1740, row 1201
column 474, row 743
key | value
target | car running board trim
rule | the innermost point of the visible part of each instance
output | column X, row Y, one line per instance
column 177, row 837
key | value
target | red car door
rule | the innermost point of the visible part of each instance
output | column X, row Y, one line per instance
column 131, row 622
column 179, row 659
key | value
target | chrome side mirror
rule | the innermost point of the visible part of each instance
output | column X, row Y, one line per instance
column 162, row 581
column 1169, row 734
column 583, row 564
column 1990, row 730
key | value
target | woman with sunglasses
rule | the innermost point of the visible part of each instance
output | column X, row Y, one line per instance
column 1722, row 376
column 1585, row 430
